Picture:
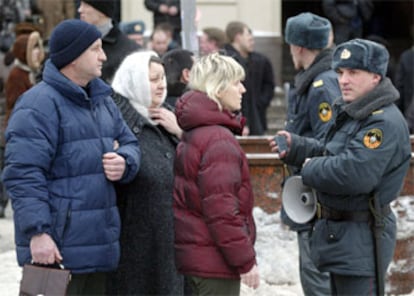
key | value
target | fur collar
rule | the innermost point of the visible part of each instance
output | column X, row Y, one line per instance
column 321, row 64
column 383, row 94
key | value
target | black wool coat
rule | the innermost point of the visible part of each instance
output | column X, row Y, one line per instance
column 259, row 84
column 147, row 265
column 116, row 46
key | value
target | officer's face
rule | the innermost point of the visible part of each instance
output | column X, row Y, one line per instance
column 355, row 83
column 295, row 54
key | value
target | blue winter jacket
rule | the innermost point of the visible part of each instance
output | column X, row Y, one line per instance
column 54, row 175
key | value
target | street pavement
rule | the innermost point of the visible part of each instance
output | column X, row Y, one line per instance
column 10, row 272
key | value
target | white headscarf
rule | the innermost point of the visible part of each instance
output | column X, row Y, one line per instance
column 131, row 80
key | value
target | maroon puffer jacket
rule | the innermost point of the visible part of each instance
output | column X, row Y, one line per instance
column 213, row 198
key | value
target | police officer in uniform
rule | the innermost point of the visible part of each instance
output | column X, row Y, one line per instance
column 309, row 113
column 357, row 170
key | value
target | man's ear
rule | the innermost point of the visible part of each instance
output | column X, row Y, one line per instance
column 237, row 37
column 376, row 78
column 185, row 76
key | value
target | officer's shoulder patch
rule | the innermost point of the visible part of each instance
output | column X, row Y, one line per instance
column 378, row 112
column 318, row 83
column 373, row 138
column 325, row 112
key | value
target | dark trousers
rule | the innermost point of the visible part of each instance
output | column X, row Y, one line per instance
column 214, row 286
column 342, row 285
column 314, row 282
column 87, row 284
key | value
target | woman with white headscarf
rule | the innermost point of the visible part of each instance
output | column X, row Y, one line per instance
column 147, row 264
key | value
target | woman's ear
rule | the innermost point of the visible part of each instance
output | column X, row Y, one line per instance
column 219, row 94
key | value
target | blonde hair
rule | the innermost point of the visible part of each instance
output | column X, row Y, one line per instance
column 214, row 73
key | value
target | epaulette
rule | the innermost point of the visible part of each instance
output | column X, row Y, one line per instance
column 318, row 83
column 377, row 112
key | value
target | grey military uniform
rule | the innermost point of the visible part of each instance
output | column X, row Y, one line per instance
column 366, row 152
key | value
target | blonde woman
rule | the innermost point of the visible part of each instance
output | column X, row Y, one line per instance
column 213, row 198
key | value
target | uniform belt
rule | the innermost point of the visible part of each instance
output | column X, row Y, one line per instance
column 323, row 212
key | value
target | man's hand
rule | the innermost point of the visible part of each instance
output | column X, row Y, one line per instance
column 251, row 278
column 163, row 8
column 246, row 131
column 44, row 249
column 275, row 148
column 114, row 166
column 172, row 10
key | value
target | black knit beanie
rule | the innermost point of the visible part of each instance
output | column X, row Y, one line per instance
column 107, row 7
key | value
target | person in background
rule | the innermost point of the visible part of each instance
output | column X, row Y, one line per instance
column 29, row 55
column 4, row 73
column 116, row 12
column 409, row 116
column 12, row 12
column 147, row 265
column 259, row 83
column 357, row 170
column 212, row 40
column 159, row 41
column 213, row 197
column 66, row 145
column 115, row 44
column 309, row 114
column 134, row 30
column 167, row 11
column 348, row 17
column 177, row 64
column 53, row 12
column 392, row 65
column 404, row 81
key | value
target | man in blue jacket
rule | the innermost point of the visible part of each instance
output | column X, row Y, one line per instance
column 357, row 171
column 66, row 143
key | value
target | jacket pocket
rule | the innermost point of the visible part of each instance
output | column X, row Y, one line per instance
column 61, row 220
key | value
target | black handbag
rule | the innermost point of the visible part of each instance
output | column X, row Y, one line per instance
column 44, row 280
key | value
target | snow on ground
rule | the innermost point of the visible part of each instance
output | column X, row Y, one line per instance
column 276, row 247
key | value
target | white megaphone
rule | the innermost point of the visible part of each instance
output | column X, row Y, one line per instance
column 299, row 201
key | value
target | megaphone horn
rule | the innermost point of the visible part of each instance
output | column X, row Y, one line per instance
column 298, row 200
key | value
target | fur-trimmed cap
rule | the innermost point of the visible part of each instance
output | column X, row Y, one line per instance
column 23, row 48
column 308, row 30
column 134, row 27
column 361, row 54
